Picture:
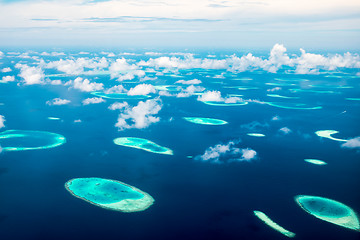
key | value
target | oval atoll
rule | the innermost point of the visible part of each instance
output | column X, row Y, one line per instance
column 144, row 144
column 329, row 210
column 109, row 194
column 205, row 121
column 21, row 140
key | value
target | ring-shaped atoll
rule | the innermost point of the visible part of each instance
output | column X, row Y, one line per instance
column 109, row 194
column 329, row 210
column 205, row 121
column 21, row 140
column 263, row 217
column 328, row 133
column 287, row 105
column 223, row 104
column 144, row 144
column 119, row 95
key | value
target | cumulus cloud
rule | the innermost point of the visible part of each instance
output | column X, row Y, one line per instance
column 189, row 82
column 93, row 100
column 140, row 116
column 5, row 70
column 275, row 118
column 77, row 121
column 189, row 91
column 58, row 101
column 141, row 89
column 352, row 143
column 117, row 105
column 122, row 70
column 31, row 75
column 214, row 96
column 2, row 120
column 274, row 89
column 85, row 85
column 6, row 79
column 225, row 153
column 77, row 66
column 285, row 130
column 116, row 89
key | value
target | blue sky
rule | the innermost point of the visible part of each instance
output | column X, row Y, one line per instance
column 246, row 24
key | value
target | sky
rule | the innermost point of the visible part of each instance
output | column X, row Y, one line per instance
column 247, row 24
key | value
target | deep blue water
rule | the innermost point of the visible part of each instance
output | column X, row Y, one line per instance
column 193, row 199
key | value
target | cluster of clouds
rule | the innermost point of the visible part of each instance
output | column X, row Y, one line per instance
column 94, row 100
column 31, row 75
column 77, row 66
column 85, row 85
column 226, row 153
column 58, row 101
column 215, row 96
column 2, row 120
column 140, row 116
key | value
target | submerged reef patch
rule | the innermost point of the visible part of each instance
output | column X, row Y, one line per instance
column 329, row 210
column 144, row 144
column 109, row 194
column 21, row 140
column 263, row 217
column 205, row 121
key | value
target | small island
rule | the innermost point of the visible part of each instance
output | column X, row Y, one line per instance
column 144, row 144
column 205, row 121
column 223, row 104
column 263, row 217
column 255, row 134
column 109, row 194
column 328, row 133
column 329, row 210
column 315, row 161
column 119, row 96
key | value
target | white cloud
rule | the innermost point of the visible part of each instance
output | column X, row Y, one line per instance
column 189, row 91
column 274, row 89
column 5, row 70
column 77, row 66
column 56, row 82
column 85, row 85
column 93, row 100
column 117, row 105
column 275, row 118
column 214, row 96
column 77, row 121
column 285, row 130
column 123, row 70
column 141, row 89
column 2, row 120
column 8, row 79
column 225, row 153
column 352, row 143
column 193, row 81
column 140, row 116
column 115, row 89
column 58, row 101
column 248, row 154
column 31, row 75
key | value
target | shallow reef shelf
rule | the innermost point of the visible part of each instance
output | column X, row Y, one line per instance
column 21, row 140
column 263, row 217
column 329, row 210
column 109, row 194
column 144, row 144
column 205, row 121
